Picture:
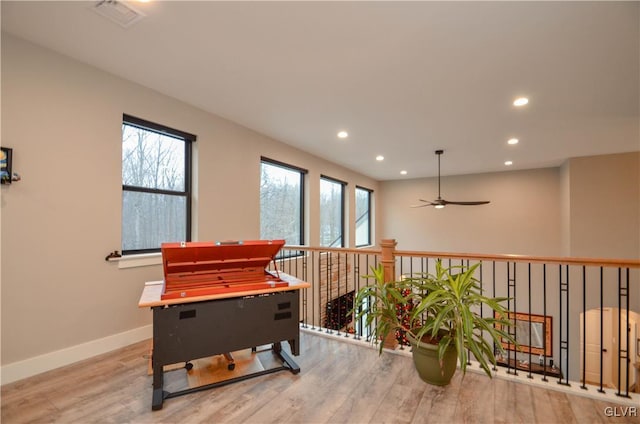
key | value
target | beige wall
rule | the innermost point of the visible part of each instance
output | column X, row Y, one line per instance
column 522, row 218
column 588, row 207
column 63, row 120
column 605, row 206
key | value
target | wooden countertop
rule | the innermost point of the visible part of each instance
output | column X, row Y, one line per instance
column 152, row 293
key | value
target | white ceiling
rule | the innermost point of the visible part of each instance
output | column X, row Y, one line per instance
column 403, row 78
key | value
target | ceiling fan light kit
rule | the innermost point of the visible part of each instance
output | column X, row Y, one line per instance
column 440, row 203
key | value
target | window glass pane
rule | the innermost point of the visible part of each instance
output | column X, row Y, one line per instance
column 152, row 160
column 363, row 217
column 331, row 213
column 280, row 204
column 149, row 219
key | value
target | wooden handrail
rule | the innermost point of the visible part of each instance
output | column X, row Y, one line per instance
column 334, row 249
column 560, row 260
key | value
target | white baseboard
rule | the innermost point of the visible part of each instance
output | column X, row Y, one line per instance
column 39, row 364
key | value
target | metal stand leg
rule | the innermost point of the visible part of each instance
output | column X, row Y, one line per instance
column 293, row 367
column 284, row 356
column 231, row 364
column 158, row 391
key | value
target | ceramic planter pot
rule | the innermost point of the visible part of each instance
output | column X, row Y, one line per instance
column 430, row 370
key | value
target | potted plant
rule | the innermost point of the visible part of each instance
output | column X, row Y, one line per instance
column 439, row 314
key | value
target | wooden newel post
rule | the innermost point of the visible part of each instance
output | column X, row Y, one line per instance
column 388, row 261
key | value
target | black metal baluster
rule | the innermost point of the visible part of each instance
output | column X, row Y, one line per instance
column 584, row 328
column 359, row 330
column 601, row 390
column 493, row 278
column 323, row 307
column 564, row 343
column 329, row 268
column 627, row 331
column 619, row 328
column 400, row 332
column 337, row 302
column 305, row 292
column 347, row 305
column 357, row 326
column 544, row 325
column 511, row 284
column 313, row 293
column 375, row 260
column 623, row 293
column 375, row 323
column 529, row 313
column 481, row 305
column 288, row 262
column 468, row 350
column 411, row 273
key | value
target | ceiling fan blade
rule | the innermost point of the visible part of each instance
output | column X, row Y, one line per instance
column 440, row 203
column 472, row 203
column 426, row 203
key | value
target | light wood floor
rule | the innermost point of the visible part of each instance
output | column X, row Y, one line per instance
column 339, row 383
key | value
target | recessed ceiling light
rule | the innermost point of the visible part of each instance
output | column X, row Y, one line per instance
column 403, row 172
column 343, row 134
column 379, row 158
column 520, row 101
column 508, row 163
column 513, row 141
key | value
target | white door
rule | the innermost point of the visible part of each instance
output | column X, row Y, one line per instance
column 593, row 348
column 634, row 354
column 631, row 353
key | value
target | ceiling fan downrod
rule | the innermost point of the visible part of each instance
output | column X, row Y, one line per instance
column 439, row 153
column 440, row 203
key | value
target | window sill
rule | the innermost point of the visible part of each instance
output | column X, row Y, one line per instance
column 134, row 261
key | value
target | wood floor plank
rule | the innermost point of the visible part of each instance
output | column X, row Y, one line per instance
column 363, row 402
column 403, row 397
column 551, row 407
column 338, row 383
column 326, row 387
column 475, row 403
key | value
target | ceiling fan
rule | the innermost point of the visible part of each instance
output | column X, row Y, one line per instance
column 440, row 203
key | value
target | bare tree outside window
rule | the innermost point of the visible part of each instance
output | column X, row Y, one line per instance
column 331, row 213
column 151, row 159
column 363, row 217
column 281, row 194
column 155, row 182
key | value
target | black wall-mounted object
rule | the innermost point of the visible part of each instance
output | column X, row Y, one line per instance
column 6, row 157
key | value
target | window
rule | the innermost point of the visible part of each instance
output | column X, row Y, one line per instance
column 156, row 185
column 363, row 216
column 331, row 212
column 281, row 202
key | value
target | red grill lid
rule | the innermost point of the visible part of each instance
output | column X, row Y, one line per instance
column 200, row 256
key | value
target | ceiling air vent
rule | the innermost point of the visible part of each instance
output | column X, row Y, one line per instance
column 118, row 12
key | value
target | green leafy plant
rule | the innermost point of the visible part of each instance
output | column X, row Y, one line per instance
column 440, row 308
